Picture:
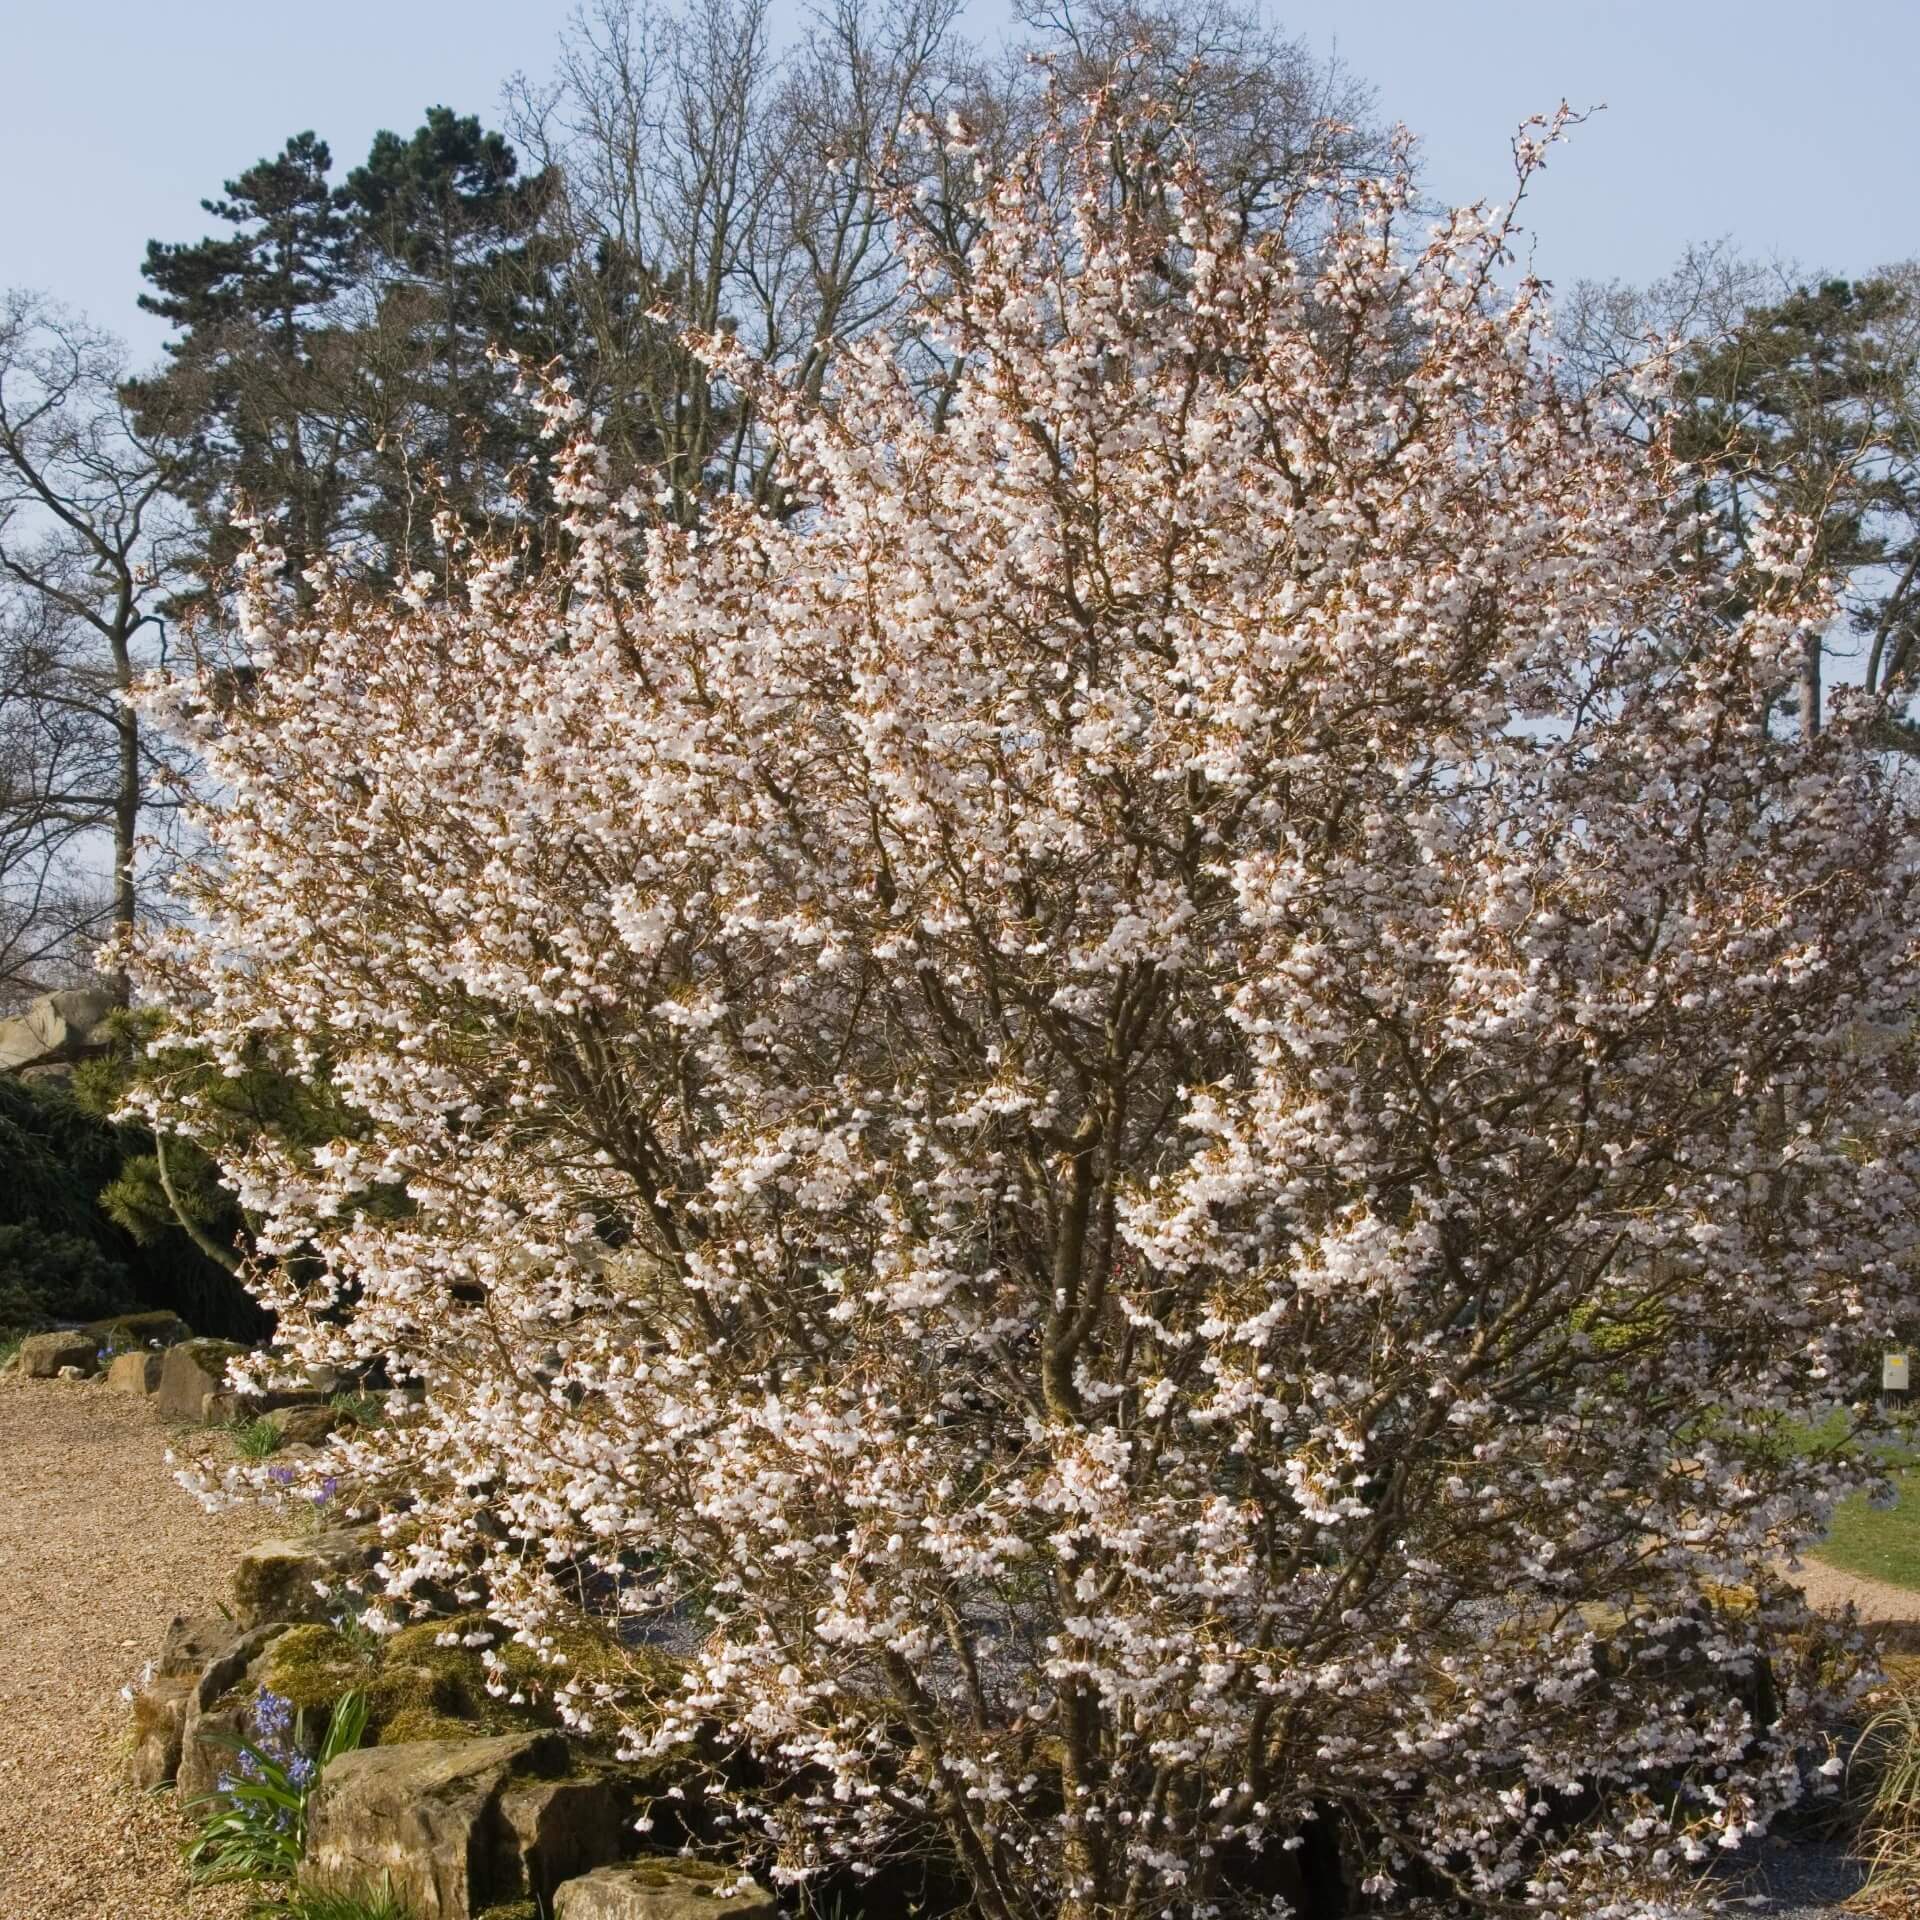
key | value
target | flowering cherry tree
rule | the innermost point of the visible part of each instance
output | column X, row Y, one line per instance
column 1164, row 1119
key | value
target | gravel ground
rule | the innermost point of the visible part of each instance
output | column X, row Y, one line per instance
column 98, row 1550
column 1878, row 1602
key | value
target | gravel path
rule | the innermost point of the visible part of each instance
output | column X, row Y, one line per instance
column 1877, row 1601
column 98, row 1550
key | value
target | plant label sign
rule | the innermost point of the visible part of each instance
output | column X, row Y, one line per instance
column 1893, row 1373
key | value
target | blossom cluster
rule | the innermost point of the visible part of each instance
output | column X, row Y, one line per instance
column 1158, row 1118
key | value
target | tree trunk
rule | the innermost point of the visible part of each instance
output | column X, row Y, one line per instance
column 1810, row 688
column 126, row 814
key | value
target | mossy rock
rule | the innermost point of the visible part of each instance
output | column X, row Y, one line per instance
column 311, row 1667
column 665, row 1889
column 663, row 1872
column 125, row 1331
column 417, row 1689
column 590, row 1654
column 417, row 1723
column 194, row 1370
column 282, row 1579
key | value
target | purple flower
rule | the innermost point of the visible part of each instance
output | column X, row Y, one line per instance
column 272, row 1721
column 280, row 1476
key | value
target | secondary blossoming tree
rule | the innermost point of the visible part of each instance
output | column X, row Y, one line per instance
column 1164, row 1119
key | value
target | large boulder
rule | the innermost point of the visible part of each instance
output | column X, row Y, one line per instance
column 304, row 1426
column 562, row 1828
column 159, row 1727
column 663, row 1890
column 194, row 1641
column 44, row 1355
column 161, row 1706
column 56, row 1030
column 226, row 1405
column 190, row 1374
column 220, row 1710
column 456, row 1826
column 134, row 1373
column 282, row 1579
column 124, row 1331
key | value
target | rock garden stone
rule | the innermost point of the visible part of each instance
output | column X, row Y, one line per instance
column 134, row 1373
column 190, row 1373
column 159, row 1722
column 662, row 1890
column 225, row 1404
column 56, row 1030
column 305, row 1426
column 564, row 1827
column 220, row 1710
column 457, row 1826
column 157, row 1329
column 280, row 1579
column 194, row 1641
column 43, row 1355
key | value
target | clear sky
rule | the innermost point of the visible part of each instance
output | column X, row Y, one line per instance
column 1792, row 127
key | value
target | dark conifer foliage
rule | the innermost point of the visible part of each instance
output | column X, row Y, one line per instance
column 251, row 401
column 332, row 372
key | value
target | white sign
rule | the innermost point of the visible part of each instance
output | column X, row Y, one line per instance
column 1893, row 1373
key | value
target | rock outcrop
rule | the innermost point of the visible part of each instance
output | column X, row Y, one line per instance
column 57, row 1030
column 219, row 1710
column 134, row 1373
column 193, row 1372
column 663, row 1890
column 181, row 1709
column 44, row 1355
column 456, row 1826
column 281, row 1579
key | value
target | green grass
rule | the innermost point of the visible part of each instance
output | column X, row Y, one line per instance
column 255, row 1439
column 1882, row 1543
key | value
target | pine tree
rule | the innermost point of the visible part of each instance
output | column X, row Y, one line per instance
column 250, row 401
column 1808, row 405
column 450, row 244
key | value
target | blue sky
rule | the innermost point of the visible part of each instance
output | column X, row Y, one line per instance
column 1790, row 127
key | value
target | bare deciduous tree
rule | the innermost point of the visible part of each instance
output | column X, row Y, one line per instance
column 87, row 545
column 718, row 185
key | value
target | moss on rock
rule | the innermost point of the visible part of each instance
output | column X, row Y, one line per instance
column 128, row 1330
column 418, row 1723
column 312, row 1666
column 418, row 1688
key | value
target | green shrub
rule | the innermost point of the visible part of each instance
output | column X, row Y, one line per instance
column 63, row 1254
column 55, row 1276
